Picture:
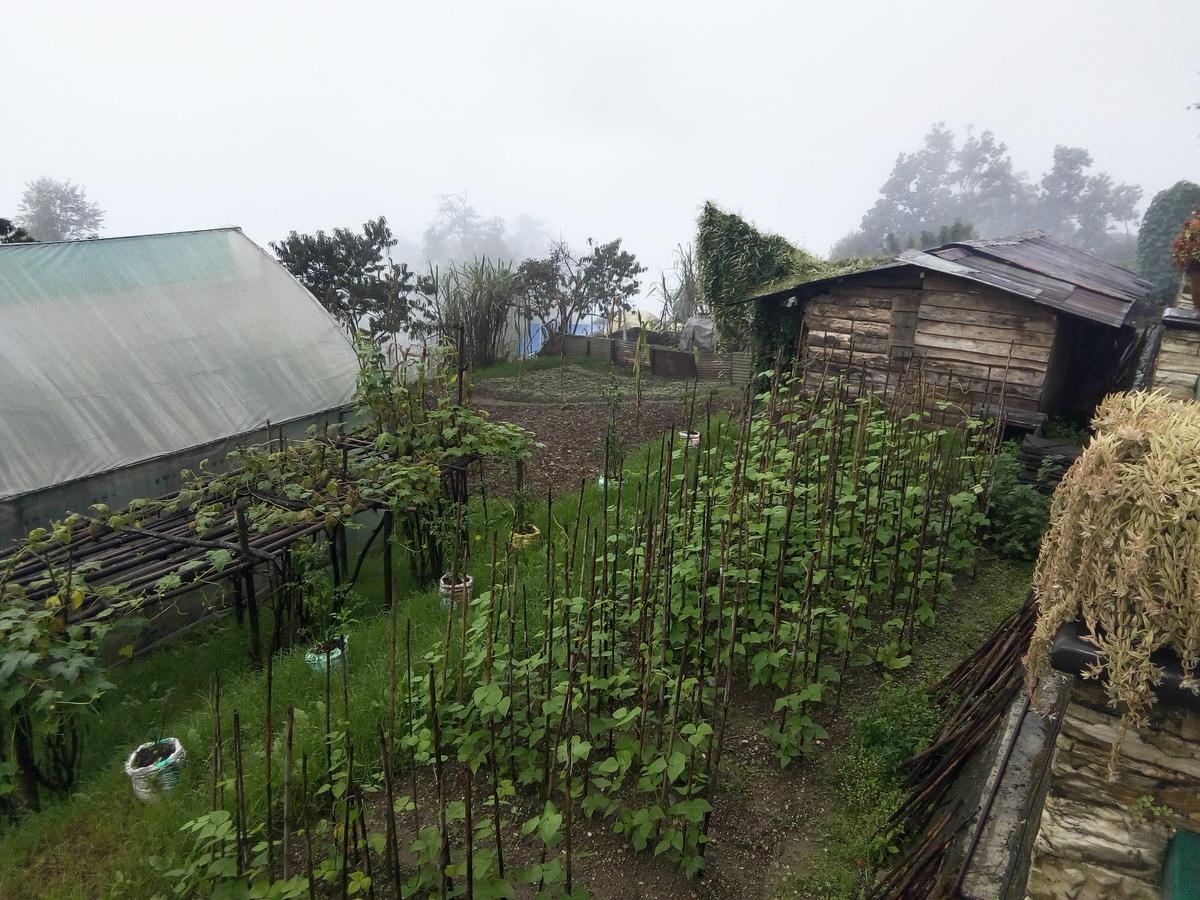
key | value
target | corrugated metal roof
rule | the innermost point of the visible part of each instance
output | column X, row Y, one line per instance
column 121, row 350
column 1034, row 251
column 1030, row 265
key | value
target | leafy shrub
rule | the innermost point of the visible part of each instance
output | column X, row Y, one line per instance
column 868, row 783
column 1164, row 217
column 897, row 726
column 1063, row 430
column 1018, row 513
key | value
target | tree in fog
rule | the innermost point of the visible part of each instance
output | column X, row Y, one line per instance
column 562, row 288
column 975, row 182
column 947, row 234
column 1163, row 221
column 459, row 233
column 53, row 210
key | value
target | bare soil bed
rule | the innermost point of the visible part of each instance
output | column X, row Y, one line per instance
column 568, row 414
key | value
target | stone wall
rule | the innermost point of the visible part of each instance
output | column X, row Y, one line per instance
column 1103, row 839
column 1178, row 363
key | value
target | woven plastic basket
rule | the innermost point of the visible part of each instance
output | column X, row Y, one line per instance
column 523, row 539
column 152, row 781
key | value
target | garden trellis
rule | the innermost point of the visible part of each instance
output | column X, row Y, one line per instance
column 66, row 585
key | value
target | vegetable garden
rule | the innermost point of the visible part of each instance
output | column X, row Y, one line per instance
column 585, row 685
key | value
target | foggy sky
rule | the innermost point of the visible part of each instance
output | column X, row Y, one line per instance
column 604, row 119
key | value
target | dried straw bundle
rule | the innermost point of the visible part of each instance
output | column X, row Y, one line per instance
column 1123, row 548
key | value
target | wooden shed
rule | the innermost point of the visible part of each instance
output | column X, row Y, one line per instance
column 1046, row 327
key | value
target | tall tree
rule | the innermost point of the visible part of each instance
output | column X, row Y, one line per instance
column 13, row 234
column 919, row 193
column 53, row 210
column 353, row 277
column 459, row 233
column 1164, row 218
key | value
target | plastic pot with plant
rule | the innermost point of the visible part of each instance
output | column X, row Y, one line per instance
column 455, row 585
column 328, row 653
column 524, row 532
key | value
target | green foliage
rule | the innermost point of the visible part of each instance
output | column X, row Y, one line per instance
column 1065, row 430
column 1164, row 218
column 1018, row 513
column 562, row 288
column 869, row 789
column 50, row 629
column 478, row 295
column 813, row 538
column 353, row 277
column 211, row 868
column 733, row 258
column 734, row 261
column 876, row 549
column 13, row 234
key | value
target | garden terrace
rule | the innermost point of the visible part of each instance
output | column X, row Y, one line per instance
column 736, row 591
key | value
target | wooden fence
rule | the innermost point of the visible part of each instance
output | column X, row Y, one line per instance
column 735, row 367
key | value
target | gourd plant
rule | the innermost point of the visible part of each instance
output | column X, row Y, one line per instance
column 50, row 674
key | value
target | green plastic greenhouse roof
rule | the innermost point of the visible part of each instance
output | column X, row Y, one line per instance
column 121, row 350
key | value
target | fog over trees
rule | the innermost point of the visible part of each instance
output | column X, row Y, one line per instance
column 52, row 210
column 975, row 184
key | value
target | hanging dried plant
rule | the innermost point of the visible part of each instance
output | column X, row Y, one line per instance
column 1123, row 549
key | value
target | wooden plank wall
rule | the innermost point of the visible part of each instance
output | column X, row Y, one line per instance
column 966, row 335
column 850, row 314
column 1178, row 363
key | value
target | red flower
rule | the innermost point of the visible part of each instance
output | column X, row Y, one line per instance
column 1185, row 251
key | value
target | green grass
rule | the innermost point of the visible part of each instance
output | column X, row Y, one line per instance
column 102, row 842
column 521, row 367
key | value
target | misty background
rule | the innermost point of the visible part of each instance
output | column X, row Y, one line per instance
column 561, row 121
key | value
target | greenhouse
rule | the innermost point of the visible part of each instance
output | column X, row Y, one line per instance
column 125, row 360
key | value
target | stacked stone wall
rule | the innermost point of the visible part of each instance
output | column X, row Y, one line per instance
column 1102, row 838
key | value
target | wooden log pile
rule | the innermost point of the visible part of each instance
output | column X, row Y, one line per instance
column 977, row 695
